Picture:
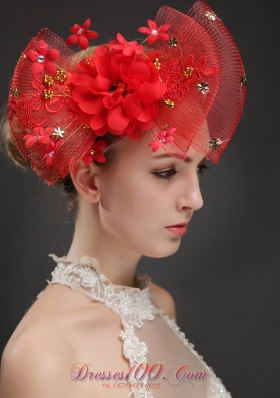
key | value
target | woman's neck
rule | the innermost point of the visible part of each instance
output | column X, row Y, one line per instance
column 117, row 262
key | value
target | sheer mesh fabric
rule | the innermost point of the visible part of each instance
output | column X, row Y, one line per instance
column 148, row 335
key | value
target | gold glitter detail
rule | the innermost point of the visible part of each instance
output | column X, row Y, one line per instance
column 60, row 76
column 92, row 152
column 203, row 87
column 215, row 143
column 243, row 81
column 15, row 92
column 48, row 94
column 48, row 80
column 157, row 63
column 211, row 15
column 169, row 103
column 58, row 132
column 172, row 42
column 188, row 71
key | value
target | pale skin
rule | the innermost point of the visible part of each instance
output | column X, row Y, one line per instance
column 123, row 214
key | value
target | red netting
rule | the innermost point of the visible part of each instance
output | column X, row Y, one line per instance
column 205, row 121
column 200, row 66
column 28, row 109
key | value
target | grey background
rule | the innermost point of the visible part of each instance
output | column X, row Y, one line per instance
column 225, row 276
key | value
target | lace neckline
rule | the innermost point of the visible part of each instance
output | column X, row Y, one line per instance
column 87, row 263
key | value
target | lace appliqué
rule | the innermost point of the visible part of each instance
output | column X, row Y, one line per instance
column 133, row 305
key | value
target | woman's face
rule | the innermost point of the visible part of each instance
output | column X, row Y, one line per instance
column 146, row 193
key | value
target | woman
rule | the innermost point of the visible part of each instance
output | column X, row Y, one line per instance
column 126, row 128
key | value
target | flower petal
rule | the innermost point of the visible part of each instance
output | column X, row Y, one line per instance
column 145, row 114
column 72, row 39
column 117, row 120
column 32, row 55
column 132, row 106
column 49, row 66
column 100, row 157
column 86, row 24
column 92, row 107
column 99, row 120
column 37, row 68
column 53, row 54
column 82, row 42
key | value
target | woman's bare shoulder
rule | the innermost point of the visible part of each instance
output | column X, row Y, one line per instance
column 30, row 365
column 37, row 359
column 163, row 299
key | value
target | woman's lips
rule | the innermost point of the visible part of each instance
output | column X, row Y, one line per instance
column 178, row 229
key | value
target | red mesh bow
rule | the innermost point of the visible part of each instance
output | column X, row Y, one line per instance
column 189, row 77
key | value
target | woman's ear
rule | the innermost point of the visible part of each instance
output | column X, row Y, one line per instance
column 85, row 177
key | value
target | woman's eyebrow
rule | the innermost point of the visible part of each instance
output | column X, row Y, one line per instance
column 187, row 160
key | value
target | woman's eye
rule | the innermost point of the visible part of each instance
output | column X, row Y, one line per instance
column 201, row 167
column 166, row 175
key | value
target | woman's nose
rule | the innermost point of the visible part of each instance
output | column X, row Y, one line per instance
column 191, row 197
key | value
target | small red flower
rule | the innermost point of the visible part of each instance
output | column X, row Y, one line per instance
column 40, row 135
column 42, row 58
column 50, row 155
column 163, row 137
column 95, row 153
column 127, row 47
column 155, row 33
column 81, row 34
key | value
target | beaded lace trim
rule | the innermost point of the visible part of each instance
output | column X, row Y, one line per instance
column 133, row 305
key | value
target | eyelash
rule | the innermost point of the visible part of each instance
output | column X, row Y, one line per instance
column 169, row 174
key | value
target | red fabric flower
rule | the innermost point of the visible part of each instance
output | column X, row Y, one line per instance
column 81, row 34
column 163, row 137
column 154, row 32
column 95, row 154
column 118, row 93
column 127, row 47
column 42, row 58
column 50, row 155
column 40, row 135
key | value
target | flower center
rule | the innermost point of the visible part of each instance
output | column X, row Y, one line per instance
column 154, row 32
column 119, row 86
column 80, row 31
column 51, row 154
column 41, row 59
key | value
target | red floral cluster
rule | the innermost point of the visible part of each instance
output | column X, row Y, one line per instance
column 42, row 136
column 116, row 92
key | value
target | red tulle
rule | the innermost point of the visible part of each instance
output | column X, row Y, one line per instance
column 186, row 85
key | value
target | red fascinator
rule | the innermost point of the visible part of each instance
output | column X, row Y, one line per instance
column 185, row 82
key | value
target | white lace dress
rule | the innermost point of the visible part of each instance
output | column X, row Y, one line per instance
column 171, row 367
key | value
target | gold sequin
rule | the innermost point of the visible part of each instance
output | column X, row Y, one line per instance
column 15, row 92
column 58, row 132
column 172, row 42
column 211, row 16
column 215, row 143
column 48, row 80
column 169, row 103
column 157, row 63
column 203, row 87
column 60, row 76
column 188, row 71
column 48, row 94
column 243, row 81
